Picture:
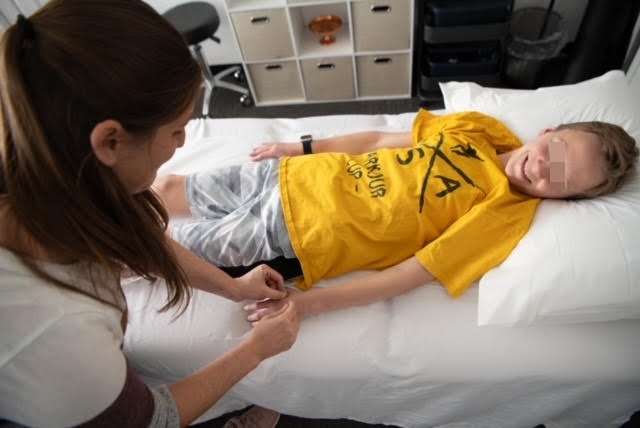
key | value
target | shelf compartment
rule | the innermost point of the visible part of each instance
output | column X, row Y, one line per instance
column 255, row 26
column 312, row 2
column 465, row 33
column 238, row 5
column 448, row 13
column 381, row 25
column 383, row 75
column 275, row 81
column 328, row 78
column 462, row 59
column 307, row 43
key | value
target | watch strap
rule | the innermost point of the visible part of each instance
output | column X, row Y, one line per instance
column 306, row 141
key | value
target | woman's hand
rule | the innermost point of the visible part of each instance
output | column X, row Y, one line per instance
column 261, row 282
column 275, row 332
column 259, row 310
column 275, row 151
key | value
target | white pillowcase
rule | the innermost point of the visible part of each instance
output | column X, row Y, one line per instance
column 580, row 260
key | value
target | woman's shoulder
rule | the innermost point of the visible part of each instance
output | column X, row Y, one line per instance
column 79, row 275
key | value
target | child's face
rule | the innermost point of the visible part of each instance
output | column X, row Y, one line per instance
column 559, row 164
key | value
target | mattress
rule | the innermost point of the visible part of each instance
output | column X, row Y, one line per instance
column 417, row 360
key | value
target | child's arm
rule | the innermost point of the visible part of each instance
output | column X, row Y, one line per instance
column 364, row 290
column 361, row 142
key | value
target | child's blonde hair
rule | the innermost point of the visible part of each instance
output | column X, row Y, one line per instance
column 619, row 151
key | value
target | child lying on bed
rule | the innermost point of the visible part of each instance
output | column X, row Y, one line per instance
column 447, row 201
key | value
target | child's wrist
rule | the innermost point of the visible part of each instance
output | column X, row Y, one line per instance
column 304, row 304
column 305, row 143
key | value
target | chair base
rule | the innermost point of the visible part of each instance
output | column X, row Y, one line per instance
column 216, row 81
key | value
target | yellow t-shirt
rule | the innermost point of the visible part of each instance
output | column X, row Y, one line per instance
column 445, row 200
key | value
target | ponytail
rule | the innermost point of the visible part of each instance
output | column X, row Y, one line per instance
column 71, row 65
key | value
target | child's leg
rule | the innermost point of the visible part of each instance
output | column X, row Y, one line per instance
column 217, row 192
column 241, row 238
column 239, row 216
column 171, row 189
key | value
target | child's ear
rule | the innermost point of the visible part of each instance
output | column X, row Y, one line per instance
column 546, row 131
column 105, row 137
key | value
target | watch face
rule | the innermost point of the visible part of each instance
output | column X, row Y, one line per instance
column 306, row 141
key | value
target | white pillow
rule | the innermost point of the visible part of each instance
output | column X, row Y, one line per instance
column 580, row 260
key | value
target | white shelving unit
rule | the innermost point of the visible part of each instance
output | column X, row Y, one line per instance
column 285, row 63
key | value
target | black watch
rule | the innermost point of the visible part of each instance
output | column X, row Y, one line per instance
column 306, row 141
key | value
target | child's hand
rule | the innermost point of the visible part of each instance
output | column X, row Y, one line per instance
column 275, row 151
column 258, row 310
column 276, row 332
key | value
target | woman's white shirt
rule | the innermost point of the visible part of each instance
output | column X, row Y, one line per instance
column 61, row 361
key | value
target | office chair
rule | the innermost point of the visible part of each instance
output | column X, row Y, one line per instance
column 199, row 21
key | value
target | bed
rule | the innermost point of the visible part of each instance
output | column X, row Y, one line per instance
column 423, row 359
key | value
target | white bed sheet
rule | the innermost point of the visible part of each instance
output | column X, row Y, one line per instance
column 418, row 360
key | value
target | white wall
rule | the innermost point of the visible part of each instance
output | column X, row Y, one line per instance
column 10, row 9
column 227, row 52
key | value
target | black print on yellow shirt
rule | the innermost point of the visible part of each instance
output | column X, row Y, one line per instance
column 466, row 151
column 450, row 184
column 374, row 174
column 375, row 182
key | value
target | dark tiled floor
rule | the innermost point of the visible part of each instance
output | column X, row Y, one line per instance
column 226, row 103
column 287, row 421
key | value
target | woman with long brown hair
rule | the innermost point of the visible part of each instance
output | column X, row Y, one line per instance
column 94, row 98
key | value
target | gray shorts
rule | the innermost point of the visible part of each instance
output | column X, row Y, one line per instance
column 237, row 215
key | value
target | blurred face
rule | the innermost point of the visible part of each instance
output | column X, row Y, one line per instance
column 559, row 164
column 140, row 159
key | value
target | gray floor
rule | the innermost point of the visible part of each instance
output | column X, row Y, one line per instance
column 226, row 103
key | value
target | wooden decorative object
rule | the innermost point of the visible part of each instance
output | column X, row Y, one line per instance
column 326, row 26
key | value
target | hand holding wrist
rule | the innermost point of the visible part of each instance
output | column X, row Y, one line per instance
column 275, row 332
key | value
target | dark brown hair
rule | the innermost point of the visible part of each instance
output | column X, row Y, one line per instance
column 619, row 152
column 71, row 65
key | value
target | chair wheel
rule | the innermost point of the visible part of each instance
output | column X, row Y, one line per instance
column 246, row 100
column 239, row 75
